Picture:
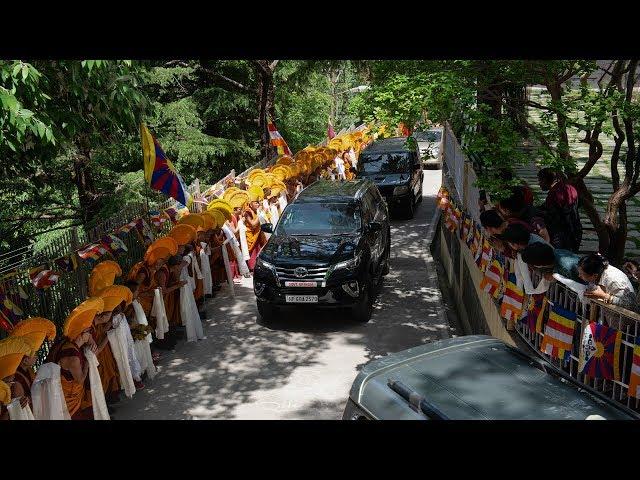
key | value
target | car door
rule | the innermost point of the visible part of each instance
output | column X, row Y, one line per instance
column 416, row 174
column 382, row 217
column 376, row 239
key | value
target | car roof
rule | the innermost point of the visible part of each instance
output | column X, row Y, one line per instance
column 475, row 377
column 395, row 144
column 323, row 190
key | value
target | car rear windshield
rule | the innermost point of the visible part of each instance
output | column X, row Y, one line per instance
column 320, row 219
column 396, row 162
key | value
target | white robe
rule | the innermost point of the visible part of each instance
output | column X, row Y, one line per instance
column 16, row 412
column 189, row 310
column 47, row 396
column 207, row 278
column 119, row 348
column 262, row 218
column 275, row 214
column 100, row 411
column 158, row 311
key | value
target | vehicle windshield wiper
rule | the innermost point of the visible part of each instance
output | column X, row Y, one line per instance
column 417, row 400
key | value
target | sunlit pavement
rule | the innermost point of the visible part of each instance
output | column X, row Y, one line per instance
column 301, row 366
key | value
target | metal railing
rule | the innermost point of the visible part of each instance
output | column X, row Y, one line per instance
column 459, row 177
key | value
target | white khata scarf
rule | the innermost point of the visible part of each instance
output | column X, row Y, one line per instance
column 118, row 341
column 207, row 280
column 158, row 311
column 100, row 411
column 16, row 412
column 47, row 396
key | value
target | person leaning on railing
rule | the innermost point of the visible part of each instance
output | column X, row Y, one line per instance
column 611, row 285
column 548, row 260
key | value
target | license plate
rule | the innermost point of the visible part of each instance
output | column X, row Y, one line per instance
column 302, row 298
column 300, row 284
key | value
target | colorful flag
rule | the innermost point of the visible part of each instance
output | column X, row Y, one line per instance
column 9, row 311
column 144, row 232
column 466, row 225
column 442, row 198
column 536, row 312
column 487, row 254
column 600, row 352
column 42, row 277
column 114, row 244
column 159, row 172
column 68, row 263
column 127, row 228
column 558, row 333
column 157, row 218
column 330, row 131
column 92, row 252
column 476, row 249
column 277, row 140
column 452, row 218
column 511, row 306
column 492, row 279
column 634, row 380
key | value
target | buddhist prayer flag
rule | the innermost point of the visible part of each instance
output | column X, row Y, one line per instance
column 128, row 227
column 511, row 306
column 476, row 246
column 92, row 252
column 442, row 198
column 277, row 140
column 9, row 311
column 492, row 278
column 558, row 333
column 600, row 352
column 68, row 263
column 487, row 253
column 157, row 218
column 114, row 244
column 466, row 225
column 634, row 380
column 536, row 312
column 159, row 172
column 42, row 277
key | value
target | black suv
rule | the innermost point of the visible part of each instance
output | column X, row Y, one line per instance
column 395, row 167
column 330, row 248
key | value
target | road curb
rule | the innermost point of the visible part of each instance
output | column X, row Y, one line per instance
column 432, row 274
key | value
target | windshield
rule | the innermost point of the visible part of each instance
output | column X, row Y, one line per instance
column 397, row 162
column 319, row 219
column 430, row 136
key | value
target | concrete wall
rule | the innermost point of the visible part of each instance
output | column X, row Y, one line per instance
column 477, row 311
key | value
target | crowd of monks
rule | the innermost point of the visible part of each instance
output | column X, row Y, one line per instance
column 111, row 342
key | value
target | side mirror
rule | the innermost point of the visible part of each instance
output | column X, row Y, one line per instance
column 267, row 227
column 375, row 226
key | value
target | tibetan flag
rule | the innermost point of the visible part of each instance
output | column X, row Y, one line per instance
column 277, row 140
column 490, row 283
column 600, row 352
column 634, row 380
column 43, row 278
column 330, row 131
column 558, row 333
column 536, row 312
column 159, row 172
column 487, row 254
column 114, row 244
column 68, row 263
column 511, row 306
column 92, row 252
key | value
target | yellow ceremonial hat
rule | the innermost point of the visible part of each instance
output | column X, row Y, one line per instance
column 239, row 199
column 209, row 220
column 114, row 295
column 12, row 350
column 255, row 193
column 103, row 275
column 219, row 217
column 82, row 317
column 183, row 234
column 254, row 172
column 259, row 179
column 195, row 220
column 284, row 160
column 161, row 248
column 34, row 330
column 5, row 393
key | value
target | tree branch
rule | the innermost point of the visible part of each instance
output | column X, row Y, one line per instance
column 230, row 81
column 273, row 64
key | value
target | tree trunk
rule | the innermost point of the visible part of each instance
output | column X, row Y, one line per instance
column 616, row 223
column 266, row 105
column 555, row 91
column 87, row 194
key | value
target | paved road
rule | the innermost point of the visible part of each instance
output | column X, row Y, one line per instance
column 302, row 366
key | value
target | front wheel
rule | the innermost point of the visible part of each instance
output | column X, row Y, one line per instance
column 363, row 310
column 266, row 312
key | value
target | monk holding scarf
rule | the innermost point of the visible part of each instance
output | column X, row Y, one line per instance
column 68, row 352
column 255, row 237
column 12, row 350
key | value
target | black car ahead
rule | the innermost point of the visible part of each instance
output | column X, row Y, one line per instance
column 330, row 248
column 394, row 165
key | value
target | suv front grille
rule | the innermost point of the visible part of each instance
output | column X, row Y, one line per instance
column 314, row 274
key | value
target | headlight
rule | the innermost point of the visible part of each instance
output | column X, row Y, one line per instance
column 350, row 265
column 266, row 265
column 402, row 189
